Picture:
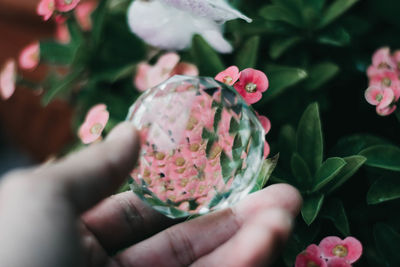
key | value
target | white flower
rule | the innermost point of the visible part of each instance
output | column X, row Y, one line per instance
column 171, row 24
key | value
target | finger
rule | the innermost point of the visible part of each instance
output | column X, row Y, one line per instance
column 182, row 244
column 123, row 219
column 96, row 172
column 255, row 244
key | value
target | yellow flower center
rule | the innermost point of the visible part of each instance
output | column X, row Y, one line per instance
column 379, row 97
column 180, row 161
column 386, row 81
column 251, row 87
column 312, row 264
column 227, row 80
column 194, row 147
column 51, row 5
column 160, row 156
column 67, row 2
column 96, row 128
column 383, row 65
column 340, row 251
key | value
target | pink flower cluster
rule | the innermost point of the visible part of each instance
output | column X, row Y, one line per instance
column 184, row 173
column 46, row 8
column 168, row 65
column 384, row 82
column 331, row 252
column 250, row 84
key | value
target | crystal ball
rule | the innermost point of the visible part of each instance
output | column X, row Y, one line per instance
column 201, row 146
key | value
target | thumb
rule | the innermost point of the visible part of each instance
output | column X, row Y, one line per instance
column 96, row 172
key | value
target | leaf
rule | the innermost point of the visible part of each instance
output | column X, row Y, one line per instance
column 334, row 211
column 98, row 18
column 328, row 170
column 280, row 13
column 387, row 242
column 309, row 141
column 354, row 144
column 383, row 156
column 60, row 86
column 300, row 171
column 337, row 36
column 233, row 126
column 335, row 10
column 247, row 56
column 205, row 58
column 217, row 117
column 384, row 189
column 286, row 143
column 228, row 165
column 320, row 74
column 353, row 163
column 281, row 78
column 311, row 207
column 266, row 171
column 56, row 53
column 280, row 46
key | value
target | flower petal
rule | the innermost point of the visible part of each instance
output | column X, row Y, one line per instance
column 372, row 93
column 388, row 97
column 232, row 73
column 355, row 249
column 338, row 262
column 29, row 57
column 8, row 79
column 327, row 244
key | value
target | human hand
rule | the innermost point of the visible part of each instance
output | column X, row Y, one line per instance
column 48, row 218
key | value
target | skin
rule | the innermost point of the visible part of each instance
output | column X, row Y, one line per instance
column 60, row 214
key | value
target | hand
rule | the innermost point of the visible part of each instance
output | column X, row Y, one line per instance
column 48, row 218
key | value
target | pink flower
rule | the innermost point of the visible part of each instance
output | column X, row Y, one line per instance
column 83, row 13
column 267, row 149
column 381, row 61
column 382, row 98
column 7, row 79
column 265, row 122
column 66, row 5
column 29, row 57
column 95, row 121
column 350, row 249
column 396, row 59
column 45, row 8
column 148, row 76
column 228, row 76
column 338, row 262
column 252, row 83
column 62, row 33
column 311, row 257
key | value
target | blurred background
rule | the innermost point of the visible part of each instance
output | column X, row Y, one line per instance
column 29, row 133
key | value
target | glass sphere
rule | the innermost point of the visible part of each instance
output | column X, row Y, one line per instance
column 201, row 146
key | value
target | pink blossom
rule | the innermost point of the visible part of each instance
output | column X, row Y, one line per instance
column 338, row 262
column 252, row 83
column 45, row 8
column 381, row 61
column 29, row 57
column 95, row 121
column 148, row 76
column 382, row 98
column 311, row 257
column 8, row 79
column 267, row 149
column 396, row 58
column 83, row 12
column 66, row 5
column 350, row 249
column 62, row 33
column 228, row 76
column 265, row 122
column 389, row 79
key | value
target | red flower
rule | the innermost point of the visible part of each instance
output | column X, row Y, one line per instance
column 252, row 83
column 311, row 257
column 350, row 249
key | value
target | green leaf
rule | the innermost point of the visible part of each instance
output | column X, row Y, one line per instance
column 337, row 36
column 217, row 118
column 328, row 170
column 387, row 242
column 233, row 126
column 334, row 211
column 320, row 74
column 60, row 86
column 286, row 143
column 280, row 13
column 205, row 58
column 300, row 171
column 98, row 18
column 311, row 207
column 247, row 56
column 281, row 78
column 281, row 45
column 354, row 144
column 309, row 141
column 384, row 189
column 383, row 156
column 56, row 53
column 266, row 171
column 335, row 10
column 228, row 166
column 353, row 163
